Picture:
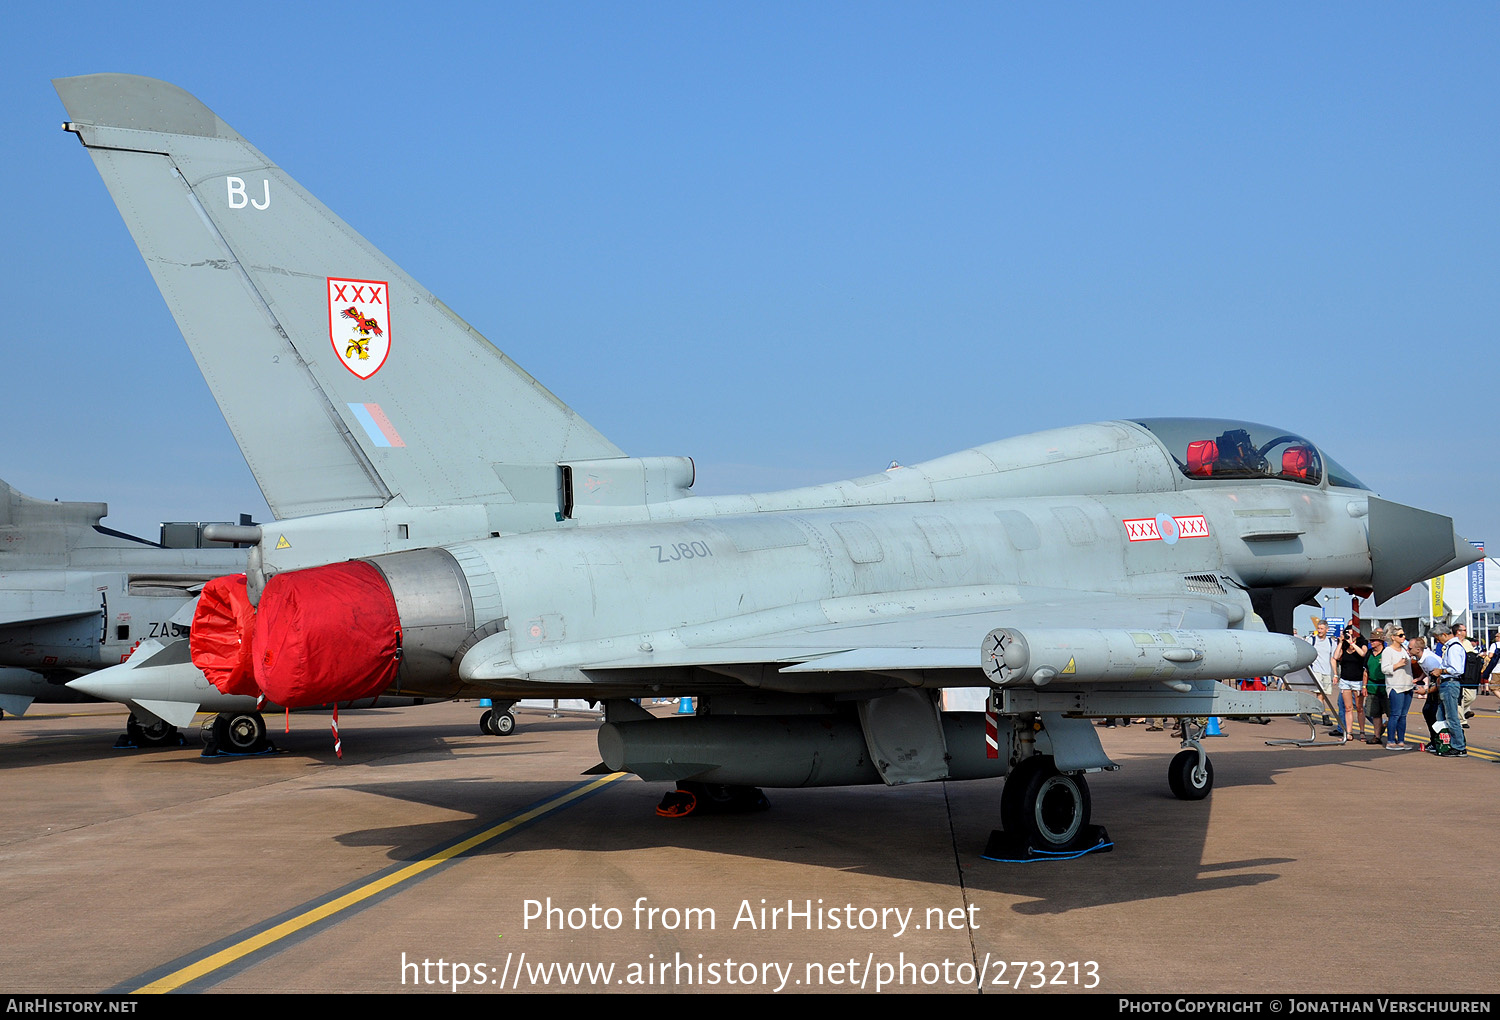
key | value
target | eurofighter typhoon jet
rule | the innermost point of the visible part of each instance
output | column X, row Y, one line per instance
column 446, row 526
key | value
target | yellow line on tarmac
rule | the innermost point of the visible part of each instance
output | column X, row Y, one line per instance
column 245, row 947
column 1474, row 752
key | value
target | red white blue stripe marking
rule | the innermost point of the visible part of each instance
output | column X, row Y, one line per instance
column 377, row 426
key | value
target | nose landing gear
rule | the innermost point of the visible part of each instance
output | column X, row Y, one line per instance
column 1191, row 774
column 1188, row 779
column 499, row 721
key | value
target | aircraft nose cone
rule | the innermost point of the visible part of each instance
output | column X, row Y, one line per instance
column 1408, row 545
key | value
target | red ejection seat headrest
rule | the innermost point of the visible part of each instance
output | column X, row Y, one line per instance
column 1296, row 461
column 1201, row 454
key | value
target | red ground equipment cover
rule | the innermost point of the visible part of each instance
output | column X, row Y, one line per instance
column 219, row 642
column 326, row 634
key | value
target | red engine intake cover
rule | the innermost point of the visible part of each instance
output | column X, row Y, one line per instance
column 223, row 624
column 326, row 634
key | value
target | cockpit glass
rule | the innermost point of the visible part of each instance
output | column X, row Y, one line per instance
column 1213, row 448
column 1340, row 475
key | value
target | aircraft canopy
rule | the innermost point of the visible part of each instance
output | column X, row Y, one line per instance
column 1218, row 448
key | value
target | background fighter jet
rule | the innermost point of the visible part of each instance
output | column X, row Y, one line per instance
column 20, row 687
column 77, row 600
column 451, row 526
column 76, row 597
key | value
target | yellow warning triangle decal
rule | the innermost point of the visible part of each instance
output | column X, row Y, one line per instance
column 282, row 543
column 1069, row 668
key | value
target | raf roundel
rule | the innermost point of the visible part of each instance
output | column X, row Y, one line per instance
column 1166, row 527
column 359, row 323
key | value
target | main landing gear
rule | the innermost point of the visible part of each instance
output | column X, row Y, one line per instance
column 235, row 733
column 1044, row 813
column 692, row 798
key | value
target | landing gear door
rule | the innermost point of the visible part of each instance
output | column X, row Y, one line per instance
column 904, row 735
column 1072, row 743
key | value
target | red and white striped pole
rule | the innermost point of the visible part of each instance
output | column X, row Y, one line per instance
column 992, row 727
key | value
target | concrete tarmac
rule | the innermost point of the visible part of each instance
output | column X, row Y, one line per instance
column 1347, row 869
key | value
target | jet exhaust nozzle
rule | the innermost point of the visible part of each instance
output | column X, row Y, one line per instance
column 339, row 632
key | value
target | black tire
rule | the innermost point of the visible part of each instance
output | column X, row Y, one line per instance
column 240, row 732
column 503, row 724
column 151, row 733
column 1015, row 788
column 485, row 722
column 1181, row 778
column 723, row 798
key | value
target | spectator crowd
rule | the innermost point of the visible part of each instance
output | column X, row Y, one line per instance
column 1375, row 680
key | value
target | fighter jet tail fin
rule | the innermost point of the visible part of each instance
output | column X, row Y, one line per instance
column 17, row 510
column 310, row 338
column 41, row 532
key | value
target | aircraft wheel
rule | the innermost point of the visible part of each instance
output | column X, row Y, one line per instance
column 150, row 733
column 486, row 720
column 240, row 732
column 503, row 724
column 713, row 798
column 1011, row 794
column 1186, row 781
column 1054, row 808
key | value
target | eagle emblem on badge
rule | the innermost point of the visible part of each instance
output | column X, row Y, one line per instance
column 359, row 323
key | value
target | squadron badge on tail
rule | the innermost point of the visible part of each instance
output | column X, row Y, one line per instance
column 359, row 323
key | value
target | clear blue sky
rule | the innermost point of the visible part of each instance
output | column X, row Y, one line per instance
column 795, row 241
